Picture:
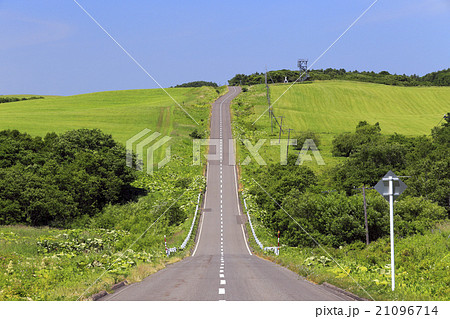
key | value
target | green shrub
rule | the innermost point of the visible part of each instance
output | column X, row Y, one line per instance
column 346, row 143
column 54, row 180
column 416, row 215
column 303, row 136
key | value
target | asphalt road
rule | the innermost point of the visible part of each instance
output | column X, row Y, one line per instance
column 222, row 266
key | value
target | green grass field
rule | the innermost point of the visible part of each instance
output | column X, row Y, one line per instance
column 338, row 106
column 54, row 264
column 120, row 113
column 332, row 107
column 123, row 114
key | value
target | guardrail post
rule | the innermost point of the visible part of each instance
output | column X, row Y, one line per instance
column 251, row 227
column 183, row 245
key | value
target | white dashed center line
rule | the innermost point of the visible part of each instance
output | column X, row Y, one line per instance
column 221, row 151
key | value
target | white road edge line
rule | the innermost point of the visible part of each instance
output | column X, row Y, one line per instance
column 239, row 210
column 207, row 176
column 199, row 233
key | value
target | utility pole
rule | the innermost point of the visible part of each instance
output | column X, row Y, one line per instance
column 365, row 215
column 281, row 129
column 268, row 101
column 289, row 136
column 366, row 223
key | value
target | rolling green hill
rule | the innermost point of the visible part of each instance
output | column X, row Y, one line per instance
column 332, row 107
column 337, row 106
column 120, row 113
column 123, row 114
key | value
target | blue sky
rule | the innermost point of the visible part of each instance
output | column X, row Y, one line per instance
column 52, row 47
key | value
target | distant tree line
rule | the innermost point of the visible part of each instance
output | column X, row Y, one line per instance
column 259, row 78
column 16, row 99
column 440, row 78
column 197, row 84
column 58, row 178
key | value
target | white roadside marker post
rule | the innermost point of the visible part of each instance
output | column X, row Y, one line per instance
column 391, row 187
column 278, row 243
column 165, row 244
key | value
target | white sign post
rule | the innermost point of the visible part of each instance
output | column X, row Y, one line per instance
column 390, row 187
column 391, row 215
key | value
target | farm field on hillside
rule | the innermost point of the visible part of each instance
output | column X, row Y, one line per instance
column 338, row 106
column 329, row 108
column 120, row 113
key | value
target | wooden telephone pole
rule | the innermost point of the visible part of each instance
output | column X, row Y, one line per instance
column 281, row 128
column 365, row 215
column 366, row 223
column 289, row 137
column 268, row 102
